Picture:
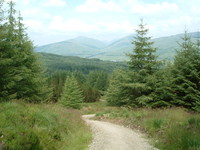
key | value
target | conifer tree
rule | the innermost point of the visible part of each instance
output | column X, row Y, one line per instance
column 186, row 74
column 21, row 74
column 143, row 63
column 143, row 58
column 161, row 84
column 33, row 86
column 119, row 92
column 7, row 56
column 72, row 95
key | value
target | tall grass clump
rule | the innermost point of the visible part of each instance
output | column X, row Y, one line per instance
column 37, row 127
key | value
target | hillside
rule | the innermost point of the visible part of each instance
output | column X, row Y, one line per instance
column 73, row 63
column 91, row 48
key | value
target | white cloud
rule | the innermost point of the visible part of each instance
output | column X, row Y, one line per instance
column 10, row 1
column 24, row 2
column 34, row 25
column 35, row 13
column 54, row 3
column 153, row 8
column 98, row 5
column 59, row 24
column 123, row 26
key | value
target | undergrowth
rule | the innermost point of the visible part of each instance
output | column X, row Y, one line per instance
column 37, row 127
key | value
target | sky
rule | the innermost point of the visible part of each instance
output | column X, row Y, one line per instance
column 50, row 21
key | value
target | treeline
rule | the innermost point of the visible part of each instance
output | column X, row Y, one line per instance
column 90, row 86
column 72, row 63
column 151, row 83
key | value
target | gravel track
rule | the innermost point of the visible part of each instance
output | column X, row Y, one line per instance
column 109, row 136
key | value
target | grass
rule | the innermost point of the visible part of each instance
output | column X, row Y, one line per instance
column 169, row 129
column 36, row 127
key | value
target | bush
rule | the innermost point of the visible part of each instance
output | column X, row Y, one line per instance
column 21, row 139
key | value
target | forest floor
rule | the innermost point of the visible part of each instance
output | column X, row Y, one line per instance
column 109, row 136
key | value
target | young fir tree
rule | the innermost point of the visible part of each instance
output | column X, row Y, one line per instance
column 143, row 63
column 186, row 74
column 161, row 85
column 143, row 58
column 72, row 95
column 117, row 94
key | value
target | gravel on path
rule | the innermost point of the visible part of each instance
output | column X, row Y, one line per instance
column 109, row 136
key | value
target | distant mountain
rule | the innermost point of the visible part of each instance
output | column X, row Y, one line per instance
column 91, row 48
column 89, row 42
column 80, row 46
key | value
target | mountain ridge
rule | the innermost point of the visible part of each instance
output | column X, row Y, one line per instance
column 91, row 48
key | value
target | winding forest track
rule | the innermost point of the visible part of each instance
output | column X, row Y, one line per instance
column 109, row 136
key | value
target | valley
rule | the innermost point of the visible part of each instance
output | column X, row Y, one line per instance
column 114, row 51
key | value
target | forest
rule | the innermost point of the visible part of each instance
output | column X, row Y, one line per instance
column 37, row 88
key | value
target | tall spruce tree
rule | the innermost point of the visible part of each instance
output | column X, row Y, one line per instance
column 143, row 58
column 186, row 74
column 32, row 85
column 21, row 74
column 143, row 63
column 8, row 53
column 72, row 95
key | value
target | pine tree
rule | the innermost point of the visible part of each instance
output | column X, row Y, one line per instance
column 7, row 56
column 33, row 86
column 117, row 93
column 21, row 74
column 143, row 58
column 143, row 63
column 186, row 74
column 161, row 84
column 72, row 94
column 56, row 82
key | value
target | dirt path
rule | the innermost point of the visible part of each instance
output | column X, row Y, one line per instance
column 108, row 136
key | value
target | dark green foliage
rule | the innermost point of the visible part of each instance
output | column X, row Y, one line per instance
column 132, row 89
column 72, row 63
column 90, row 94
column 7, row 55
column 72, row 95
column 56, row 82
column 149, row 84
column 22, row 139
column 161, row 87
column 143, row 57
column 178, row 84
column 21, row 74
column 186, row 75
column 117, row 94
column 143, row 64
column 98, row 80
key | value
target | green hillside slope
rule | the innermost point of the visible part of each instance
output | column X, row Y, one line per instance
column 73, row 63
column 91, row 48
